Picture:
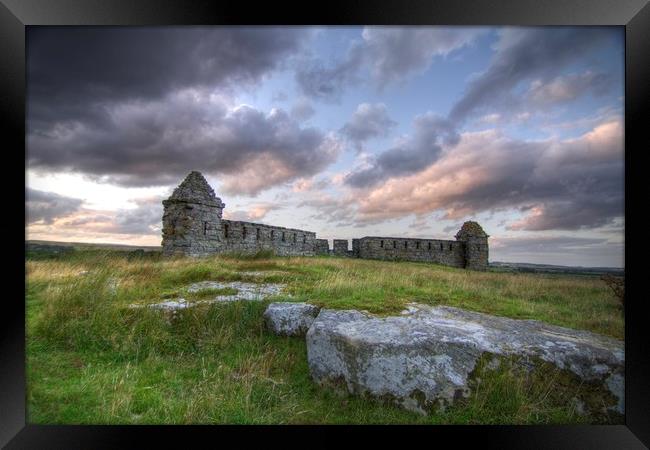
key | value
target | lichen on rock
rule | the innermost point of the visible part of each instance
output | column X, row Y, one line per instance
column 428, row 356
column 290, row 319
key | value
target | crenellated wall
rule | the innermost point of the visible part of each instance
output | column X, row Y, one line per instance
column 450, row 253
column 250, row 237
column 322, row 247
column 340, row 247
column 193, row 226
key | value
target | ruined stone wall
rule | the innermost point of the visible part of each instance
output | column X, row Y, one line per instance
column 340, row 247
column 476, row 245
column 190, row 229
column 476, row 251
column 193, row 226
column 191, row 219
column 250, row 237
column 450, row 253
column 356, row 247
column 322, row 247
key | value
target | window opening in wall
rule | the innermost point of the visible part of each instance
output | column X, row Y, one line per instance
column 283, row 236
column 243, row 232
column 294, row 237
column 205, row 228
column 394, row 244
column 257, row 234
column 225, row 230
column 382, row 244
column 272, row 234
column 417, row 244
column 429, row 245
column 449, row 247
column 406, row 243
column 304, row 239
column 441, row 246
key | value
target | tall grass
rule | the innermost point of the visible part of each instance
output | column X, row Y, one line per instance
column 92, row 359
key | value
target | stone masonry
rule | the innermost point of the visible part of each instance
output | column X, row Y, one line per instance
column 340, row 247
column 193, row 226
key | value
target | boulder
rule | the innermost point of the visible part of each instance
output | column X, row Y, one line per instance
column 290, row 319
column 428, row 357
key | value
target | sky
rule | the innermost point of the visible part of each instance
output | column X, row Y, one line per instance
column 345, row 131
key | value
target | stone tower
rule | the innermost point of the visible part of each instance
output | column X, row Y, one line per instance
column 476, row 245
column 192, row 219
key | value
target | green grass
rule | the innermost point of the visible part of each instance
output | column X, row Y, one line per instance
column 91, row 359
column 211, row 293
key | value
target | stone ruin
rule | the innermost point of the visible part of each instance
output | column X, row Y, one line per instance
column 193, row 226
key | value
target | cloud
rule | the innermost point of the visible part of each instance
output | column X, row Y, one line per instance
column 421, row 222
column 302, row 110
column 368, row 121
column 564, row 89
column 340, row 210
column 413, row 154
column 143, row 106
column 74, row 72
column 391, row 54
column 48, row 206
column 395, row 53
column 254, row 213
column 522, row 54
column 557, row 184
column 144, row 143
column 144, row 218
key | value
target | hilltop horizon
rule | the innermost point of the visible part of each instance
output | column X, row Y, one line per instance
column 159, row 247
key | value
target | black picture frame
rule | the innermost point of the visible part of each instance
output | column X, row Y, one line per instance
column 15, row 15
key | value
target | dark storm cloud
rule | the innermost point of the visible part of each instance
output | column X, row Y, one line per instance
column 138, row 106
column 526, row 54
column 48, row 206
column 413, row 154
column 392, row 54
column 158, row 142
column 73, row 71
column 367, row 122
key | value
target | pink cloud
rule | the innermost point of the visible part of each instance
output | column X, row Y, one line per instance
column 568, row 183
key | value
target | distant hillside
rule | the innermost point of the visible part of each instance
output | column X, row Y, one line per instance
column 36, row 245
column 549, row 268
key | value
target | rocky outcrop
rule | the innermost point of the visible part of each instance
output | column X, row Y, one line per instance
column 427, row 357
column 290, row 319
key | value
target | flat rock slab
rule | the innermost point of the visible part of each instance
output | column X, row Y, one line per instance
column 290, row 319
column 425, row 357
column 245, row 292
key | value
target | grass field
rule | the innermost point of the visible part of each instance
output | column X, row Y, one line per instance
column 91, row 359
